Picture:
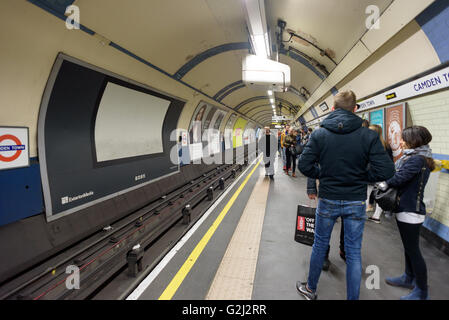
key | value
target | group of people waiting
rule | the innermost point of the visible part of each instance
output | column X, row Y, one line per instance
column 291, row 142
column 345, row 156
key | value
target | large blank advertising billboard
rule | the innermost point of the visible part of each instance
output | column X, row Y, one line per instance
column 139, row 116
column 101, row 135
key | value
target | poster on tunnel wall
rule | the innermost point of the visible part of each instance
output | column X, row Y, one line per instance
column 249, row 134
column 204, row 131
column 110, row 146
column 395, row 123
column 239, row 126
column 214, row 137
column 229, row 131
column 377, row 118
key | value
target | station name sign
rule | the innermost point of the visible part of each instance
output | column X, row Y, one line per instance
column 281, row 118
column 432, row 82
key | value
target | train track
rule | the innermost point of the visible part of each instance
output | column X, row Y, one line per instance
column 121, row 247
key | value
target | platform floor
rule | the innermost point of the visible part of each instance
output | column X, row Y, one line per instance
column 249, row 252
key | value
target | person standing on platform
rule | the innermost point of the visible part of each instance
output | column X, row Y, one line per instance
column 338, row 154
column 307, row 136
column 279, row 144
column 299, row 145
column 268, row 145
column 284, row 155
column 378, row 212
column 312, row 193
column 412, row 174
column 290, row 152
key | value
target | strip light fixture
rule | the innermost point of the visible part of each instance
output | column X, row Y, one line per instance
column 257, row 27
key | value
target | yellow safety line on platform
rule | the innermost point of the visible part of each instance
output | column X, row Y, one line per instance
column 171, row 289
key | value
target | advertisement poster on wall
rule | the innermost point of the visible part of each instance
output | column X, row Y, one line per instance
column 377, row 118
column 229, row 131
column 196, row 125
column 214, row 142
column 203, row 131
column 395, row 122
column 239, row 127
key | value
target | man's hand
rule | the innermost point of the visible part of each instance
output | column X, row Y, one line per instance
column 312, row 196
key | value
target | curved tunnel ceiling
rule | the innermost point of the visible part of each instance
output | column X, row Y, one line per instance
column 204, row 48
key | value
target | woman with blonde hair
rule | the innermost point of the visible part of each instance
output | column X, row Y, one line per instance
column 378, row 212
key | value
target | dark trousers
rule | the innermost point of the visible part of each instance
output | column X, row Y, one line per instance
column 342, row 240
column 415, row 266
column 291, row 160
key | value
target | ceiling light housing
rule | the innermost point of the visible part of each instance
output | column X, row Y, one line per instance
column 266, row 74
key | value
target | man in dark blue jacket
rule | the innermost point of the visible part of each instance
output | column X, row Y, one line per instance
column 345, row 157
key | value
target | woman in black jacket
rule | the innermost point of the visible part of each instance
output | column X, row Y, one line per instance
column 412, row 173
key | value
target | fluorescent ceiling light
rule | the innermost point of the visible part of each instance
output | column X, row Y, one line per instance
column 271, row 100
column 257, row 26
column 260, row 46
column 265, row 73
column 270, row 92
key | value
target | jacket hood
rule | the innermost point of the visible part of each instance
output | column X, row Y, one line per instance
column 342, row 122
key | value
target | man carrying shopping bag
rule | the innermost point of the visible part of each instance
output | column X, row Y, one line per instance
column 338, row 155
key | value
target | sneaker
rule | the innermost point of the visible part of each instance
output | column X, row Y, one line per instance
column 374, row 220
column 294, row 175
column 403, row 281
column 302, row 289
column 417, row 294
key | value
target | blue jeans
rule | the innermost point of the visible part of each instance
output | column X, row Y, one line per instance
column 284, row 156
column 353, row 214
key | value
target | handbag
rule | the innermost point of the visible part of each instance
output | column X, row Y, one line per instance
column 388, row 200
column 305, row 225
column 299, row 149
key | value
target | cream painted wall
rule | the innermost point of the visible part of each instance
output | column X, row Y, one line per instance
column 408, row 53
column 308, row 116
column 31, row 41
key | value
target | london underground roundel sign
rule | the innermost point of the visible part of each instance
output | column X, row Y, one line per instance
column 14, row 151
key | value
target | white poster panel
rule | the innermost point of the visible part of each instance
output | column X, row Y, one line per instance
column 228, row 134
column 196, row 151
column 129, row 123
column 14, row 148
